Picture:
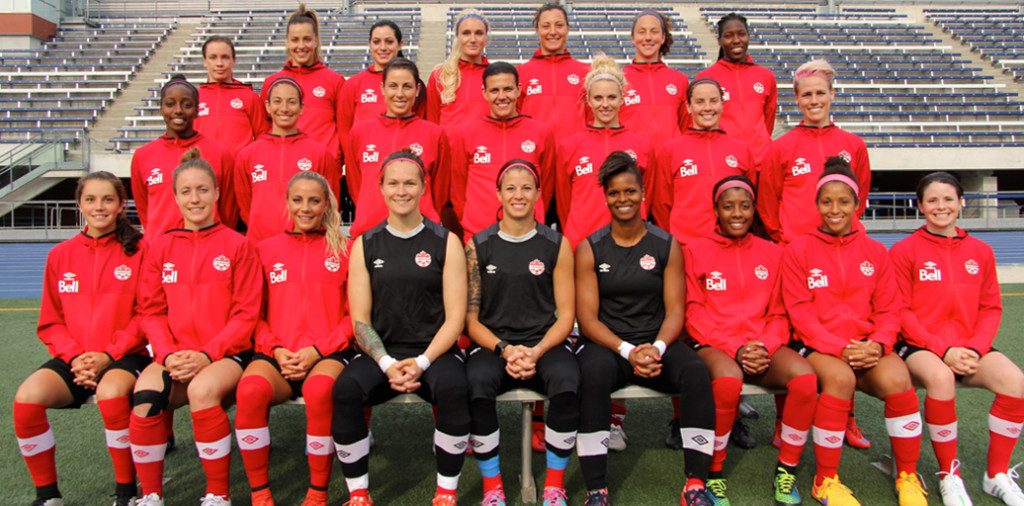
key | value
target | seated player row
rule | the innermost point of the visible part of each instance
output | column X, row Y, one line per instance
column 405, row 285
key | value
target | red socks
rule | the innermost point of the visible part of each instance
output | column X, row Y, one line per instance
column 618, row 414
column 903, row 423
column 149, row 443
column 212, row 433
column 318, row 392
column 726, row 391
column 941, row 419
column 115, row 414
column 254, row 394
column 35, row 440
column 829, row 432
column 797, row 417
column 1004, row 425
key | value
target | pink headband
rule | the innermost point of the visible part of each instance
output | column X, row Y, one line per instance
column 529, row 168
column 735, row 183
column 603, row 77
column 842, row 179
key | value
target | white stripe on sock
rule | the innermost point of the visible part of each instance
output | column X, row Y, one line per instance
column 829, row 438
column 148, row 454
column 486, row 443
column 351, row 453
column 589, row 444
column 35, row 445
column 117, row 439
column 214, row 450
column 695, row 438
column 559, row 440
column 452, row 445
column 253, row 439
column 942, row 433
column 905, row 426
column 319, row 445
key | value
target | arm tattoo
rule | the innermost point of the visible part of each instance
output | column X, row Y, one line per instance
column 369, row 340
column 475, row 288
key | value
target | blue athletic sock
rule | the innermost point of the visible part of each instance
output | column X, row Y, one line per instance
column 557, row 463
column 489, row 468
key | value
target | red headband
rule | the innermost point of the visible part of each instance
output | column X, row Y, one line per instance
column 530, row 168
column 735, row 183
column 842, row 179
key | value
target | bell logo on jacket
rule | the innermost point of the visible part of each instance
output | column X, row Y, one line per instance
column 573, row 79
column 528, row 146
column 647, row 262
column 585, row 166
column 481, row 155
column 671, row 89
column 759, row 88
column 332, row 263
column 761, row 272
column 971, row 266
column 304, row 164
column 632, row 98
column 370, row 154
column 689, row 168
column 168, row 275
column 725, row 94
column 259, row 173
column 204, row 110
column 931, row 272
column 319, row 91
column 801, row 167
column 222, row 263
column 423, row 259
column 122, row 272
column 155, row 177
column 716, row 283
column 817, row 280
column 69, row 284
column 278, row 275
column 867, row 268
column 368, row 97
column 236, row 103
column 534, row 88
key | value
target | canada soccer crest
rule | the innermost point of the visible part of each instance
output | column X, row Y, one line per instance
column 222, row 263
column 845, row 155
column 647, row 262
column 732, row 161
column 536, row 267
column 319, row 91
column 573, row 79
column 423, row 259
column 237, row 103
column 867, row 268
column 528, row 146
column 305, row 164
column 971, row 266
column 758, row 87
column 416, row 148
column 332, row 263
column 122, row 272
column 761, row 272
column 671, row 89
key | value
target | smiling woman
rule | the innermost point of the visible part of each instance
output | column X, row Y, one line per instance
column 553, row 80
column 229, row 111
column 451, row 91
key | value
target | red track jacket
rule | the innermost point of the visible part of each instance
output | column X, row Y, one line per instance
column 750, row 103
column 322, row 104
column 231, row 114
column 469, row 104
column 655, row 102
column 552, row 91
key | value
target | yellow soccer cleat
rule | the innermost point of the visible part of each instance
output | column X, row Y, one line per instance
column 833, row 493
column 910, row 491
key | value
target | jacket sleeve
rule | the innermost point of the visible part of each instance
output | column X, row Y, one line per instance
column 800, row 305
column 433, row 100
column 699, row 323
column 139, row 192
column 771, row 104
column 341, row 336
column 131, row 337
column 990, row 308
column 563, row 183
column 770, row 192
column 661, row 201
column 862, row 169
column 52, row 329
column 547, row 168
column 246, row 296
column 911, row 328
column 776, row 330
column 330, row 172
column 649, row 171
column 154, row 314
column 263, row 337
column 459, row 171
column 242, row 183
column 442, row 176
column 228, row 205
column 340, row 133
column 346, row 112
column 683, row 113
column 258, row 119
column 885, row 304
column 353, row 173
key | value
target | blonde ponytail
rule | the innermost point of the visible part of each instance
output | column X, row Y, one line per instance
column 450, row 77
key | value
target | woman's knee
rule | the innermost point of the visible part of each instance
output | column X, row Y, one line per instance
column 838, row 382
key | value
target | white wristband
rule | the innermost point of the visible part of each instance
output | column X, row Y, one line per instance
column 386, row 362
column 423, row 362
column 660, row 345
column 625, row 348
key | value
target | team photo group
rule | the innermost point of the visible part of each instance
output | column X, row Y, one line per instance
column 565, row 227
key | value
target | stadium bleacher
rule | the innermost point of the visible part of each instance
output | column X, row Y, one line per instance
column 58, row 91
column 994, row 33
column 259, row 42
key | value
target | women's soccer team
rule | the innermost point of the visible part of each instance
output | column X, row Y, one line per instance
column 756, row 269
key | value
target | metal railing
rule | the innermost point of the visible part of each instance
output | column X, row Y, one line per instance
column 983, row 211
column 25, row 162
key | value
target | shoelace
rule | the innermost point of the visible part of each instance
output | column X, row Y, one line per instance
column 833, row 483
column 913, row 480
column 717, row 488
column 952, row 469
column 786, row 482
column 493, row 497
column 554, row 494
column 1014, row 475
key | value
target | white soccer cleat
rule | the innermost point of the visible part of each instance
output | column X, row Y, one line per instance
column 215, row 500
column 53, row 501
column 1004, row 487
column 150, row 500
column 616, row 438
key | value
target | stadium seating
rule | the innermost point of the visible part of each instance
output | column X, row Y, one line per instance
column 259, row 36
column 994, row 33
column 897, row 85
column 58, row 91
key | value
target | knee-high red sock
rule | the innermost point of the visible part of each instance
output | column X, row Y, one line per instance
column 35, row 440
column 1004, row 425
column 254, row 394
column 618, row 414
column 115, row 414
column 941, row 419
column 797, row 417
column 212, row 432
column 317, row 392
column 829, row 432
column 726, row 392
column 903, row 423
column 149, row 442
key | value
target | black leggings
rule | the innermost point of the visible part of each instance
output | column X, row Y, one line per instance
column 603, row 371
column 363, row 384
column 557, row 376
